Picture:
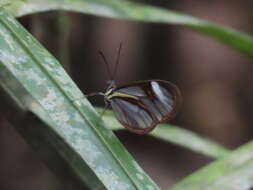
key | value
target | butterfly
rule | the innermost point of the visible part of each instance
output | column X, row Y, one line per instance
column 140, row 106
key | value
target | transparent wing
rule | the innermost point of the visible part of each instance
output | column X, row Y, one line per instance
column 133, row 90
column 163, row 102
column 160, row 98
column 131, row 115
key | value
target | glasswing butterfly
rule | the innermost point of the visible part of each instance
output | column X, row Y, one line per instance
column 140, row 106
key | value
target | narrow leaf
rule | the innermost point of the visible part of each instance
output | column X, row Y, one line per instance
column 123, row 9
column 232, row 172
column 178, row 136
column 42, row 90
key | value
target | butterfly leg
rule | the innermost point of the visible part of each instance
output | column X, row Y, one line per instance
column 105, row 109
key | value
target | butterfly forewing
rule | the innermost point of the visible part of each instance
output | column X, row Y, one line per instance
column 133, row 90
column 140, row 106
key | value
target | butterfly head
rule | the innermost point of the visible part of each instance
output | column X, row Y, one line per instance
column 110, row 87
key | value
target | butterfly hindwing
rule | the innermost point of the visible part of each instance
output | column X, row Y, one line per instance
column 132, row 116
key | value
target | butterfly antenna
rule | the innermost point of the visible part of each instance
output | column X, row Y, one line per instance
column 106, row 63
column 117, row 61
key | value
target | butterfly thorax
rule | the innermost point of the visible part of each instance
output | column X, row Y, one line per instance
column 111, row 86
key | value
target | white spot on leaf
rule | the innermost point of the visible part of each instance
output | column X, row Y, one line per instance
column 34, row 77
column 112, row 181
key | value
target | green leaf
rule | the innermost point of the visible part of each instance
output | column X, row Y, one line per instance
column 123, row 9
column 176, row 135
column 50, row 107
column 232, row 172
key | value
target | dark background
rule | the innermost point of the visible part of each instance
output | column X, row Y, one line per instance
column 215, row 82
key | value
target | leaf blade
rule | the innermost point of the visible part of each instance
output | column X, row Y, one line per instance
column 133, row 11
column 178, row 136
column 75, row 123
column 232, row 172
